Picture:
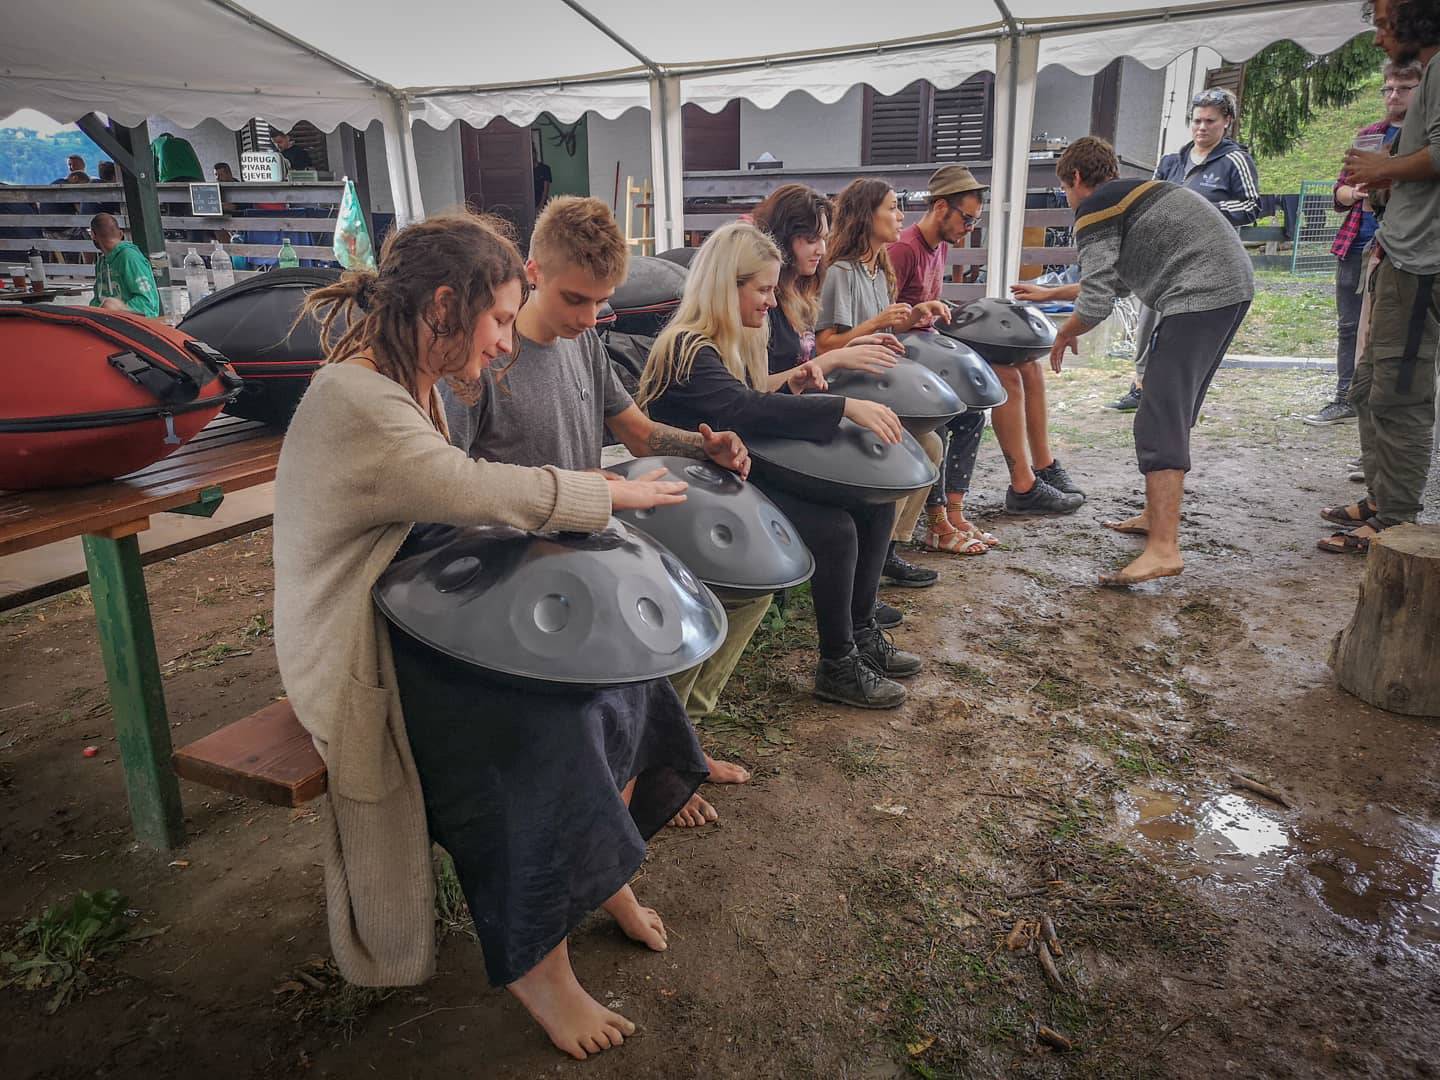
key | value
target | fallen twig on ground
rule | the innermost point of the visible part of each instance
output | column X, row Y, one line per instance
column 1052, row 973
column 1240, row 780
column 1047, row 933
column 1052, row 1037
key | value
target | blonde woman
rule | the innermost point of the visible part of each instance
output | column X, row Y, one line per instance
column 711, row 366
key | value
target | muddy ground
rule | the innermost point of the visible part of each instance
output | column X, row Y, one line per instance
column 1066, row 753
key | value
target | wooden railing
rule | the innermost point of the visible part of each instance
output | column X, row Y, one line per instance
column 53, row 219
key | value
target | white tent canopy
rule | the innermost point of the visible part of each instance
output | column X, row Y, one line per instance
column 355, row 61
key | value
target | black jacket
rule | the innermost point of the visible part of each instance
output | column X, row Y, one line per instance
column 1227, row 177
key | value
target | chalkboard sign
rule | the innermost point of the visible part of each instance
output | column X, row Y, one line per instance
column 205, row 200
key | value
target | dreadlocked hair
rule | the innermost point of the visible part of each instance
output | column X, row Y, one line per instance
column 383, row 312
column 855, row 208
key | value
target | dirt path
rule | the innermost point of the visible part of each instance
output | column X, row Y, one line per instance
column 1067, row 753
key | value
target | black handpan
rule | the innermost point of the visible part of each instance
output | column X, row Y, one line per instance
column 854, row 468
column 603, row 609
column 681, row 256
column 921, row 399
column 970, row 377
column 648, row 296
column 1002, row 331
column 726, row 531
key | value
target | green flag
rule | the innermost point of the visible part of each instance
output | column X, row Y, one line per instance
column 352, row 245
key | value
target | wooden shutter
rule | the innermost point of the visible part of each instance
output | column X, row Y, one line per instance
column 895, row 128
column 1228, row 77
column 499, row 175
column 258, row 135
column 962, row 125
column 711, row 140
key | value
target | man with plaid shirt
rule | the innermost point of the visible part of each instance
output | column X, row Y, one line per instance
column 1353, row 239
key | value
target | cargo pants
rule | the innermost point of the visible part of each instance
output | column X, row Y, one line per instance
column 700, row 687
column 1394, row 389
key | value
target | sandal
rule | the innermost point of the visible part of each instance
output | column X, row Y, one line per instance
column 1348, row 543
column 954, row 542
column 1341, row 515
column 969, row 528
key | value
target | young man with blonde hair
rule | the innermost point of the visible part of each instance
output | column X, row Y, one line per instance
column 550, row 402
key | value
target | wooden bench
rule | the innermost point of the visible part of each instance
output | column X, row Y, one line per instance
column 266, row 756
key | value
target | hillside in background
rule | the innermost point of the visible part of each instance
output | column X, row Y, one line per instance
column 27, row 157
column 1319, row 151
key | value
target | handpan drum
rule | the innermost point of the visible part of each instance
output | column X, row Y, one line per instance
column 972, row 379
column 1002, row 331
column 603, row 609
column 921, row 399
column 726, row 531
column 855, row 468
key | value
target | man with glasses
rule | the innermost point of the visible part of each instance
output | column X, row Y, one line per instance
column 1220, row 169
column 1038, row 482
column 1395, row 375
column 1353, row 239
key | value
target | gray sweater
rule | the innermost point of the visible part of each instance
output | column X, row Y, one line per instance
column 1164, row 243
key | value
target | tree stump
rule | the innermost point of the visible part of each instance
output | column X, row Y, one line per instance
column 1389, row 655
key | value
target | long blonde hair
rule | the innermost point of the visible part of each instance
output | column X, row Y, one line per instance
column 709, row 314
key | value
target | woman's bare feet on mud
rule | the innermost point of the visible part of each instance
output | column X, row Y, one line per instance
column 1147, row 567
column 640, row 924
column 695, row 812
column 726, row 772
column 576, row 1023
column 1135, row 526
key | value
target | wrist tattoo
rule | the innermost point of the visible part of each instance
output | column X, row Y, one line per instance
column 672, row 442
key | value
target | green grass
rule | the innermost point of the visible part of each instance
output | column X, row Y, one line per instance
column 1291, row 316
column 58, row 950
column 1318, row 153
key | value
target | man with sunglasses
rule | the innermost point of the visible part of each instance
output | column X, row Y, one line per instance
column 1220, row 169
column 1353, row 239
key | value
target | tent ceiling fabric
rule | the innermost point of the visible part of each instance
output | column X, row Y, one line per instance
column 188, row 60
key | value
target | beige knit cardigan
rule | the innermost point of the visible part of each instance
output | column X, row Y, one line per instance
column 360, row 464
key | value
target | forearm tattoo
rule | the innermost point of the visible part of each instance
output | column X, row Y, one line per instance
column 669, row 441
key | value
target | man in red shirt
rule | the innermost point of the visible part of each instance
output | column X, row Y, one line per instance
column 919, row 257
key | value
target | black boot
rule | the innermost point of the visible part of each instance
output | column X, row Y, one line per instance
column 876, row 647
column 851, row 680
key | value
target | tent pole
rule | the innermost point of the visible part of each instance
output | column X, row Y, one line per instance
column 1024, row 59
column 665, row 163
column 400, row 161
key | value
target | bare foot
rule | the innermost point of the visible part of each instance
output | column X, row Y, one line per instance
column 1135, row 526
column 640, row 924
column 1146, row 568
column 726, row 772
column 576, row 1023
column 695, row 812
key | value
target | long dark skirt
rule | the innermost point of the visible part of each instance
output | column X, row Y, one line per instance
column 522, row 788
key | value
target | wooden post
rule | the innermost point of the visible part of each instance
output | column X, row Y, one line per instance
column 137, row 695
column 1389, row 655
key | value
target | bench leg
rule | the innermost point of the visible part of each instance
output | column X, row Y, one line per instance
column 137, row 696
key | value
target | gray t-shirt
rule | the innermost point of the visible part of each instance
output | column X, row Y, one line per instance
column 548, row 407
column 1410, row 228
column 850, row 295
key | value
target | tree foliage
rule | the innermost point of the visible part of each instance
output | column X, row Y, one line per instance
column 1284, row 85
column 27, row 157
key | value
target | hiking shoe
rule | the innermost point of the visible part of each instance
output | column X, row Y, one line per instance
column 881, row 654
column 900, row 572
column 851, row 680
column 1337, row 412
column 1041, row 499
column 1055, row 475
column 887, row 617
column 1128, row 402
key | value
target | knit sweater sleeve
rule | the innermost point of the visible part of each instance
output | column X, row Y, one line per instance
column 418, row 476
column 1100, row 281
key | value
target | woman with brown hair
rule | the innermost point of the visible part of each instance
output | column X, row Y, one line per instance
column 855, row 301
column 527, row 791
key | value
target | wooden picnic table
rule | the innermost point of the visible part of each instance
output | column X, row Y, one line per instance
column 230, row 454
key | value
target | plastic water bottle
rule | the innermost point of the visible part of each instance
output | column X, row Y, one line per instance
column 196, row 283
column 37, row 270
column 288, row 258
column 221, row 267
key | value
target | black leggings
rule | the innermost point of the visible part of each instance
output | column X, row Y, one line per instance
column 849, row 546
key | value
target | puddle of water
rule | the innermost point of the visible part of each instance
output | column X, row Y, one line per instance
column 1392, row 891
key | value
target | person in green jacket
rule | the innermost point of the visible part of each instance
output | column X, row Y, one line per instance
column 123, row 278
